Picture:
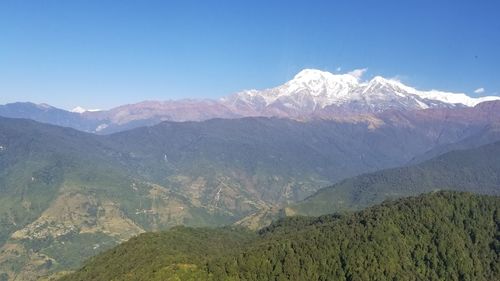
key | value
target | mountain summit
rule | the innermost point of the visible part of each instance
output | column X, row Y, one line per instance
column 313, row 91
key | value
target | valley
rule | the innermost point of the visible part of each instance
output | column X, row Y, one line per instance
column 70, row 192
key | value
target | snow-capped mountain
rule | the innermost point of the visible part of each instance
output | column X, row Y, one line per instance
column 314, row 91
column 81, row 110
column 78, row 109
column 309, row 95
column 308, row 91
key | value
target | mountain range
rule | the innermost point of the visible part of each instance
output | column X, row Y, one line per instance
column 311, row 94
column 67, row 195
column 74, row 184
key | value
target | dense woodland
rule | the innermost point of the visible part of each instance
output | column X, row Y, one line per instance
column 437, row 236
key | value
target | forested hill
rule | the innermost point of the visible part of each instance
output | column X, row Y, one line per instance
column 473, row 170
column 437, row 236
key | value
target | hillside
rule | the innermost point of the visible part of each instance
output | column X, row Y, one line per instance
column 475, row 170
column 65, row 196
column 438, row 236
column 68, row 195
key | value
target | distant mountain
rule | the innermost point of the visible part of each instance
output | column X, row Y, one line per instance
column 48, row 114
column 150, row 113
column 439, row 236
column 489, row 134
column 80, row 110
column 486, row 114
column 474, row 170
column 311, row 94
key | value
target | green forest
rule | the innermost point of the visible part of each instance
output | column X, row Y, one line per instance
column 436, row 236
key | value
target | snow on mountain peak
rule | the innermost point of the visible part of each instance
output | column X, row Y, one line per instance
column 395, row 86
column 308, row 76
column 322, row 86
column 81, row 110
column 311, row 90
column 455, row 98
column 309, row 73
column 382, row 80
column 78, row 109
column 313, row 74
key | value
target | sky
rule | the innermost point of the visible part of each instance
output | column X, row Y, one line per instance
column 101, row 54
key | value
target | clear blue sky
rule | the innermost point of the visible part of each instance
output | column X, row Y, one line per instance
column 100, row 54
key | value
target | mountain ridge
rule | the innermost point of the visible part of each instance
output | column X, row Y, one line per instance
column 310, row 94
column 475, row 169
column 312, row 90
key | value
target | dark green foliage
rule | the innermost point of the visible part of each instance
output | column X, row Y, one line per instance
column 438, row 236
column 180, row 252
